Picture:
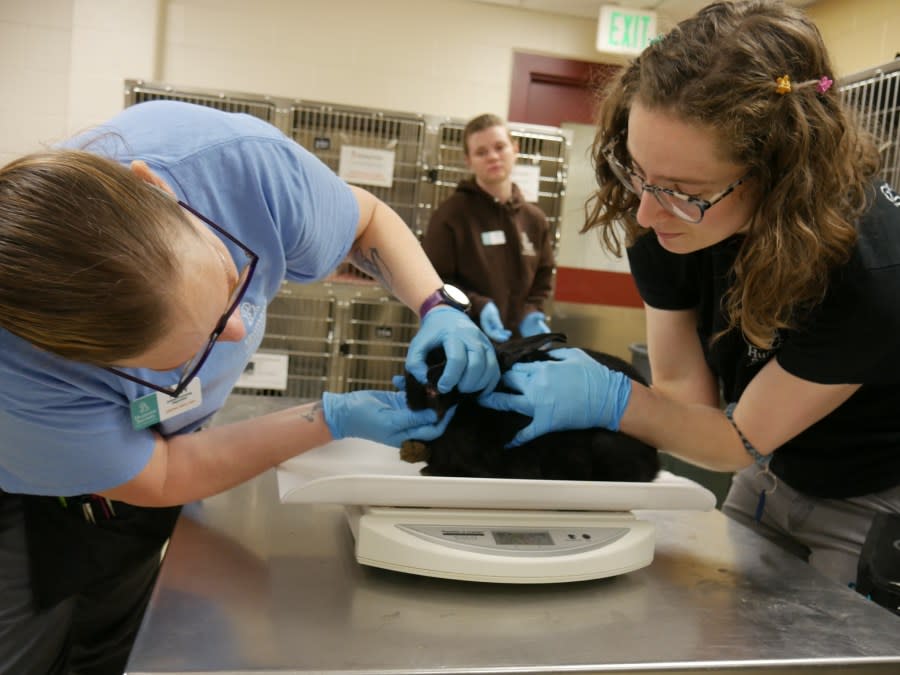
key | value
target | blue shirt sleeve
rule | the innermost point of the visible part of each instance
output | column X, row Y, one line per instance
column 65, row 427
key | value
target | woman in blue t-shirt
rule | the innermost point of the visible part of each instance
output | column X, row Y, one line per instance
column 136, row 265
column 767, row 254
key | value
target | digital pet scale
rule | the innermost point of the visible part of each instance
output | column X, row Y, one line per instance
column 501, row 546
column 484, row 529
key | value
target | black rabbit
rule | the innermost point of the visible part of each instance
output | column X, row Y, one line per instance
column 474, row 443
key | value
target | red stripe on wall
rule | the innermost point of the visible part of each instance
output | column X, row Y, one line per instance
column 596, row 287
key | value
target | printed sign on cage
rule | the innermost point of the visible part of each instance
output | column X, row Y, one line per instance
column 265, row 371
column 528, row 178
column 367, row 166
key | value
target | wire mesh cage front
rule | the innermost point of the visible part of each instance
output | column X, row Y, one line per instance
column 302, row 326
column 875, row 96
column 373, row 343
column 137, row 91
column 337, row 337
column 326, row 129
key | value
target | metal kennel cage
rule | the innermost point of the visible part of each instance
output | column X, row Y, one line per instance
column 325, row 128
column 300, row 322
column 263, row 107
column 375, row 333
column 337, row 336
column 875, row 96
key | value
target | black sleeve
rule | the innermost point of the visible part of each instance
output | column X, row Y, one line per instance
column 851, row 337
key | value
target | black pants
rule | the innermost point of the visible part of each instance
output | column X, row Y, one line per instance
column 72, row 592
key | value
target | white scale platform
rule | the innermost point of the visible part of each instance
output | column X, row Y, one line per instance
column 484, row 529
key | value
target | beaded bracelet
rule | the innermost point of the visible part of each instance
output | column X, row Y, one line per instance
column 758, row 457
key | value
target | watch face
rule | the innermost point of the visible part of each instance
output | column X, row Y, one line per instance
column 456, row 295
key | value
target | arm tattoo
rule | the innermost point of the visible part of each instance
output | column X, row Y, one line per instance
column 310, row 413
column 373, row 265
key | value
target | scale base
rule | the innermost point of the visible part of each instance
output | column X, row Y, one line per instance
column 519, row 547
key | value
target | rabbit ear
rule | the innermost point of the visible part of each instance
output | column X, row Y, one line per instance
column 513, row 351
column 421, row 395
column 416, row 395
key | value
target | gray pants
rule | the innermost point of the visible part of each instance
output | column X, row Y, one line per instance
column 87, row 634
column 827, row 533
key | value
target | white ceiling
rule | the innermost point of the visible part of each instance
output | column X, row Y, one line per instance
column 676, row 10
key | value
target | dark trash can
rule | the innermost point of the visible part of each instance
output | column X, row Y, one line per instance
column 639, row 359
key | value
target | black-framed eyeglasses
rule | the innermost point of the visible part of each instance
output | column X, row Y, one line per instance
column 681, row 205
column 192, row 367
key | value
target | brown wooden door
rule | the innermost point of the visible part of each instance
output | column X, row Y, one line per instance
column 549, row 90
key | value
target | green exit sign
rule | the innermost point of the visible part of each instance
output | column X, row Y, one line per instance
column 625, row 31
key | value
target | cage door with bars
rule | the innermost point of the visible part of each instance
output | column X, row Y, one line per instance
column 875, row 97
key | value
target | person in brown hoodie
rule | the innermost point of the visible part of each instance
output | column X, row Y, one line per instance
column 487, row 240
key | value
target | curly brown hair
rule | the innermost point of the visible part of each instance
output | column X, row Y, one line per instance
column 813, row 164
column 88, row 253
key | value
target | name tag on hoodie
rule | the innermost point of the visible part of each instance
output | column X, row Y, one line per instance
column 493, row 238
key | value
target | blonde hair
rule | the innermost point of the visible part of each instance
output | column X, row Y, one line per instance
column 813, row 166
column 87, row 256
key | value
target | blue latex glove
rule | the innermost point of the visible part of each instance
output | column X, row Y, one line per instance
column 471, row 359
column 492, row 325
column 534, row 323
column 380, row 416
column 574, row 392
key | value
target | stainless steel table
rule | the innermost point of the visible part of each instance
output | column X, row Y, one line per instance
column 250, row 585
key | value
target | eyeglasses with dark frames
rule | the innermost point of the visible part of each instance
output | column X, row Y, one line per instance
column 686, row 207
column 191, row 368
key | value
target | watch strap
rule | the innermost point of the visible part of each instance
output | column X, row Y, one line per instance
column 432, row 301
column 444, row 296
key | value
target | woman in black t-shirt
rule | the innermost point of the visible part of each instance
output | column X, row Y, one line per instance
column 767, row 253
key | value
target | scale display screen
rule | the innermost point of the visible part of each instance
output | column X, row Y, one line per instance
column 509, row 540
column 522, row 538
column 501, row 546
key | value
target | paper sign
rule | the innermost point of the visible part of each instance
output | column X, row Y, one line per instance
column 528, row 178
column 366, row 166
column 265, row 371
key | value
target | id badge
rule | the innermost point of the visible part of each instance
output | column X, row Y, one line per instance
column 493, row 238
column 158, row 407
